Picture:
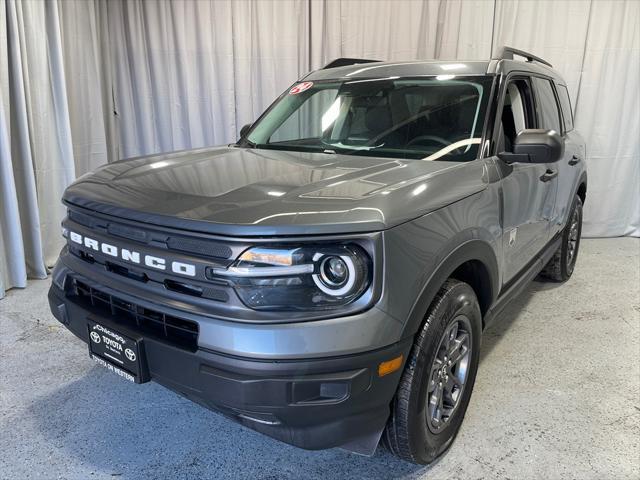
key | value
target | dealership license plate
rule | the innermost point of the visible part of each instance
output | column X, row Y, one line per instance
column 116, row 352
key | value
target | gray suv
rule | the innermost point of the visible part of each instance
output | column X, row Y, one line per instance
column 326, row 279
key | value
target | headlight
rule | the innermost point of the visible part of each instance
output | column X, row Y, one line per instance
column 299, row 278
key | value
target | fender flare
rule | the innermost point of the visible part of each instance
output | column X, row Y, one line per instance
column 473, row 249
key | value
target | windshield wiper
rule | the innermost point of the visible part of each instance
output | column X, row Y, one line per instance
column 295, row 147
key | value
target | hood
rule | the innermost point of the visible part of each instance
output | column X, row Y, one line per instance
column 238, row 191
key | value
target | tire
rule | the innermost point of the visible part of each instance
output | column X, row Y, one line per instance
column 412, row 432
column 561, row 266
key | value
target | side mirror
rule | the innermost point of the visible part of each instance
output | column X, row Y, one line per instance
column 535, row 146
column 244, row 130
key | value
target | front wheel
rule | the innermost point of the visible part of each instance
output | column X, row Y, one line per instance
column 436, row 385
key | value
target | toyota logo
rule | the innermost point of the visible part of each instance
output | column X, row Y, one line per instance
column 130, row 354
column 95, row 337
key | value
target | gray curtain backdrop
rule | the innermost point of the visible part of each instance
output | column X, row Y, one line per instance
column 84, row 82
column 36, row 162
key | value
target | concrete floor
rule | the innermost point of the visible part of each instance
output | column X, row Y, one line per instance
column 557, row 396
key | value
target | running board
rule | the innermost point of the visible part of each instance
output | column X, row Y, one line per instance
column 525, row 277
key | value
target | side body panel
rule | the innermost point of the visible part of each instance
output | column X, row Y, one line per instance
column 421, row 254
column 571, row 171
column 528, row 206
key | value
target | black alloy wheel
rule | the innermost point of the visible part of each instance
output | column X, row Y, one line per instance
column 449, row 373
column 562, row 264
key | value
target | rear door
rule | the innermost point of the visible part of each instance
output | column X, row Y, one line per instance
column 549, row 118
column 528, row 192
column 569, row 167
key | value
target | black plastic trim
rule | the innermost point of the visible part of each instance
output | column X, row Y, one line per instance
column 521, row 280
column 507, row 53
column 344, row 62
column 477, row 250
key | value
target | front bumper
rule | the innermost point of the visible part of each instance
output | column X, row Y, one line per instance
column 311, row 403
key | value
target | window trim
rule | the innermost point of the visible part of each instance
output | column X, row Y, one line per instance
column 502, row 92
column 556, row 85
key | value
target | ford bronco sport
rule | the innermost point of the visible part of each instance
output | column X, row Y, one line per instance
column 326, row 279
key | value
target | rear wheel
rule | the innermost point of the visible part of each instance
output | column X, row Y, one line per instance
column 436, row 386
column 561, row 266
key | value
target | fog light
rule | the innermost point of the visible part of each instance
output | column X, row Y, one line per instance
column 390, row 366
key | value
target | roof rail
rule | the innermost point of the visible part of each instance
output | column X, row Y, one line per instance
column 343, row 62
column 507, row 53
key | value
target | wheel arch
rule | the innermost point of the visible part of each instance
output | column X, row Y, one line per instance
column 477, row 275
column 582, row 188
column 473, row 262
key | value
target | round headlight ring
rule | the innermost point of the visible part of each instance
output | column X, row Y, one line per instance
column 334, row 271
column 324, row 281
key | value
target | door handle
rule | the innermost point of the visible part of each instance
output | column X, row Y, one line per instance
column 549, row 175
column 574, row 160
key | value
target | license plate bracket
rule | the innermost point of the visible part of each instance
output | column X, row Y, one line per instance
column 118, row 352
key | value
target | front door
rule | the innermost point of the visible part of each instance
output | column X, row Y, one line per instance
column 529, row 190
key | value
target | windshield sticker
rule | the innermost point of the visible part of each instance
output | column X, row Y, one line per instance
column 301, row 87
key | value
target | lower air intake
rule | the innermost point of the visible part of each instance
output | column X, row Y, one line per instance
column 173, row 330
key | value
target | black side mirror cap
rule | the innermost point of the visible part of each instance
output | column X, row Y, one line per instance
column 535, row 146
column 244, row 130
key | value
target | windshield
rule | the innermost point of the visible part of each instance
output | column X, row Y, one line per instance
column 428, row 118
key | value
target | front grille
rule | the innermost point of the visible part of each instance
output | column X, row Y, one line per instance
column 199, row 247
column 175, row 331
column 126, row 232
column 81, row 218
column 217, row 249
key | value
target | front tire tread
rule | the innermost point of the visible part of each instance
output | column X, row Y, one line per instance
column 396, row 434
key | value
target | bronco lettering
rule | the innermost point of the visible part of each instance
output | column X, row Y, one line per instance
column 132, row 256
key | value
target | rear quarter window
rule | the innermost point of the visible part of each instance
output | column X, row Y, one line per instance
column 565, row 104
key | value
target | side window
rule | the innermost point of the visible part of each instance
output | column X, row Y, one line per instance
column 517, row 113
column 548, row 113
column 565, row 103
